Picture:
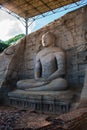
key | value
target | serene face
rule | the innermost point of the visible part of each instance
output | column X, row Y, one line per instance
column 47, row 39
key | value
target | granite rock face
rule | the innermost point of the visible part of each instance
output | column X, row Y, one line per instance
column 11, row 65
column 18, row 61
column 83, row 100
column 70, row 36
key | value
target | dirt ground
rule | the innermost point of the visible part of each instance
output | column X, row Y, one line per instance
column 21, row 119
column 15, row 118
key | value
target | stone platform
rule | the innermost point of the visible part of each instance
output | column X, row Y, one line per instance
column 42, row 101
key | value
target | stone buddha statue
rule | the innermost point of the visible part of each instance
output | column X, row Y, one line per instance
column 49, row 68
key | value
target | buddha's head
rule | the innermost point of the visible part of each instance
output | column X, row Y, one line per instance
column 48, row 39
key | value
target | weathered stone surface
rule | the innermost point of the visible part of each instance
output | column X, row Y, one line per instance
column 70, row 35
column 45, row 101
column 83, row 100
column 10, row 65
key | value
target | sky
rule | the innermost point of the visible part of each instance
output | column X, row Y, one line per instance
column 11, row 26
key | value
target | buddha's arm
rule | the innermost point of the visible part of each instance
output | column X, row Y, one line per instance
column 60, row 61
column 37, row 69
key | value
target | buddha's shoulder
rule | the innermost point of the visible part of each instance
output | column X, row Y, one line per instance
column 48, row 50
column 57, row 49
column 40, row 53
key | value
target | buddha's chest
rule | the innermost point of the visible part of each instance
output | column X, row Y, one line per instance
column 49, row 65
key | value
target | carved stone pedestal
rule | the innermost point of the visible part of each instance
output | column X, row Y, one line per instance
column 42, row 101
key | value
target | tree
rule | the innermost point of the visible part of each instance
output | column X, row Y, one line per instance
column 5, row 44
column 14, row 39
